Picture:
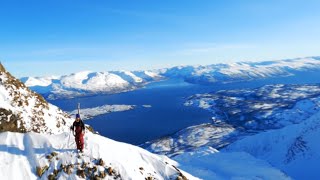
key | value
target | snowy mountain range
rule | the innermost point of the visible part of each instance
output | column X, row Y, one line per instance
column 89, row 83
column 243, row 71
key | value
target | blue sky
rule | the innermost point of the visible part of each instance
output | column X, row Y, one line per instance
column 63, row 36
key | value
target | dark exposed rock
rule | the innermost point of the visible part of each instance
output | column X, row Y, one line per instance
column 41, row 170
column 19, row 96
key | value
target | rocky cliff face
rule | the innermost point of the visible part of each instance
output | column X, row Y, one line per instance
column 22, row 110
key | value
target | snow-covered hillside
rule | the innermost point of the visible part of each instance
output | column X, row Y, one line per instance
column 293, row 149
column 89, row 83
column 209, row 164
column 22, row 110
column 29, row 155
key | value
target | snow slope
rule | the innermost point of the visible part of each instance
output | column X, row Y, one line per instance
column 21, row 154
column 293, row 149
column 210, row 164
column 22, row 110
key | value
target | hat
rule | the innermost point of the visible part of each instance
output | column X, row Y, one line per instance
column 77, row 115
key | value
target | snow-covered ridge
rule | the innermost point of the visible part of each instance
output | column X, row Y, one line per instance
column 88, row 113
column 22, row 110
column 28, row 155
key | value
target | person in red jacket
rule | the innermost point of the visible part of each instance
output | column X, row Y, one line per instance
column 78, row 131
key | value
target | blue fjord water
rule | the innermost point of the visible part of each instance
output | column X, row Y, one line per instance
column 167, row 113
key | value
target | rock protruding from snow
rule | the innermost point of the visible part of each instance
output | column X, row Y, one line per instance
column 22, row 110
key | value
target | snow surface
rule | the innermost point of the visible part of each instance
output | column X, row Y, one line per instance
column 208, row 163
column 293, row 149
column 89, row 113
column 20, row 154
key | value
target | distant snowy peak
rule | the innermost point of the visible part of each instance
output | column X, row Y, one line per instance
column 22, row 110
column 93, row 81
column 38, row 81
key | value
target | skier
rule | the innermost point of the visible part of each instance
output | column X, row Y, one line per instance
column 78, row 131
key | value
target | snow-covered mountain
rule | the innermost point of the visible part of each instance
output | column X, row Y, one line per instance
column 89, row 83
column 22, row 110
